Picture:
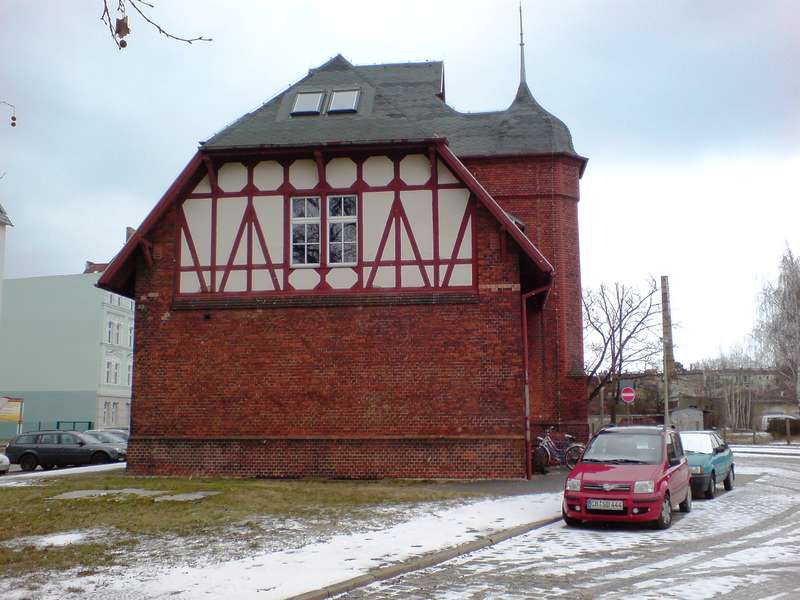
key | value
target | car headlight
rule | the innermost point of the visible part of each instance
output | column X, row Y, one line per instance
column 644, row 487
column 696, row 470
column 573, row 485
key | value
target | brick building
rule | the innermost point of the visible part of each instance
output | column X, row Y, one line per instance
column 356, row 280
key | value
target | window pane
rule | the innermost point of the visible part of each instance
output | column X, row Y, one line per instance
column 350, row 253
column 335, row 232
column 298, row 207
column 307, row 102
column 335, row 206
column 298, row 254
column 349, row 206
column 298, row 234
column 313, row 253
column 335, row 253
column 312, row 233
column 345, row 100
column 312, row 207
column 350, row 232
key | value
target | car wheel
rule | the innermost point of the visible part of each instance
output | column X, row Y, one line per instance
column 572, row 456
column 570, row 522
column 28, row 462
column 712, row 486
column 100, row 458
column 728, row 483
column 686, row 505
column 665, row 518
column 541, row 459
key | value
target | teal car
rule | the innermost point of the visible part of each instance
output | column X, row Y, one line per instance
column 710, row 461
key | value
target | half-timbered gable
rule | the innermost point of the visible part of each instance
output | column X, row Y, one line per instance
column 356, row 280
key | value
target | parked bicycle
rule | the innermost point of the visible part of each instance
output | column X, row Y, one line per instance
column 549, row 453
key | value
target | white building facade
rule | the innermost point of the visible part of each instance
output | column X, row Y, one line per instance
column 66, row 348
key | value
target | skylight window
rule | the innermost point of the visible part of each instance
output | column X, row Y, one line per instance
column 308, row 103
column 344, row 101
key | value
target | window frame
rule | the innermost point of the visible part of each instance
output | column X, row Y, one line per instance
column 353, row 109
column 342, row 220
column 320, row 102
column 305, row 221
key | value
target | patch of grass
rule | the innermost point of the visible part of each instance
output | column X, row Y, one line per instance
column 21, row 561
column 28, row 511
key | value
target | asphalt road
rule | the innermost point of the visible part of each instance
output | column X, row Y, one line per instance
column 744, row 544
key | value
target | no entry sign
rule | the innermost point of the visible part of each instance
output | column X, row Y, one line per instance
column 628, row 395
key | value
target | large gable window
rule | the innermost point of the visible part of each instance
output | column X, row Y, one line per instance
column 308, row 103
column 342, row 230
column 305, row 231
column 343, row 101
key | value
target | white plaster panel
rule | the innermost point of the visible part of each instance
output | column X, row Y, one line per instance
column 442, row 273
column 430, row 270
column 304, row 279
column 461, row 275
column 230, row 212
column 204, row 187
column 378, row 170
column 186, row 254
column 465, row 251
column 415, row 169
column 342, row 279
column 269, row 212
column 406, row 251
column 232, row 177
column 268, row 175
column 207, row 278
column 384, row 278
column 452, row 204
column 303, row 174
column 418, row 206
column 376, row 208
column 340, row 172
column 237, row 281
column 189, row 282
column 411, row 277
column 444, row 175
column 262, row 281
column 198, row 217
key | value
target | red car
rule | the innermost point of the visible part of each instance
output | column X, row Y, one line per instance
column 634, row 474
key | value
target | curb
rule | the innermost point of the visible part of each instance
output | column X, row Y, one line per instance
column 415, row 564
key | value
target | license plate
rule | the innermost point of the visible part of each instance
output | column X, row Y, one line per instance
column 604, row 504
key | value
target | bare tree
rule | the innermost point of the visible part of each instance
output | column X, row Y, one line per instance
column 621, row 333
column 118, row 26
column 778, row 327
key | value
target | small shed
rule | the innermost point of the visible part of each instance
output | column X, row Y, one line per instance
column 687, row 419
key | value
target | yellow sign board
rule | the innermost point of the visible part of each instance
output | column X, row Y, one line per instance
column 11, row 410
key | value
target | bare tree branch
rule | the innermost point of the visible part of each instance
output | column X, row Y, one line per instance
column 118, row 27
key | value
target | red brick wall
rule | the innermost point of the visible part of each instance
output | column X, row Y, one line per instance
column 544, row 192
column 442, row 381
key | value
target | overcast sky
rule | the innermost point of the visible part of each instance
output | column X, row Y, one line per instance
column 688, row 112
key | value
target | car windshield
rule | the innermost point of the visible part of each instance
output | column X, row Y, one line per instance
column 697, row 443
column 91, row 439
column 107, row 437
column 615, row 447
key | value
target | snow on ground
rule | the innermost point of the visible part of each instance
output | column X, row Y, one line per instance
column 282, row 573
column 57, row 539
column 13, row 480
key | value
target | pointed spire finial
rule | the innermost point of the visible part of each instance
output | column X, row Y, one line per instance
column 521, row 49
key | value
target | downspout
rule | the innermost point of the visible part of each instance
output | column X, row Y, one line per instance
column 526, row 386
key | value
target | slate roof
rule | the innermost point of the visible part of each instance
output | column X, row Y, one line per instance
column 399, row 102
column 4, row 220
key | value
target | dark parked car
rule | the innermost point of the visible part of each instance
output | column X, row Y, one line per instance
column 110, row 436
column 61, row 448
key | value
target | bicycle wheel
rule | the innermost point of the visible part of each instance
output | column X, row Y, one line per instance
column 541, row 460
column 573, row 455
